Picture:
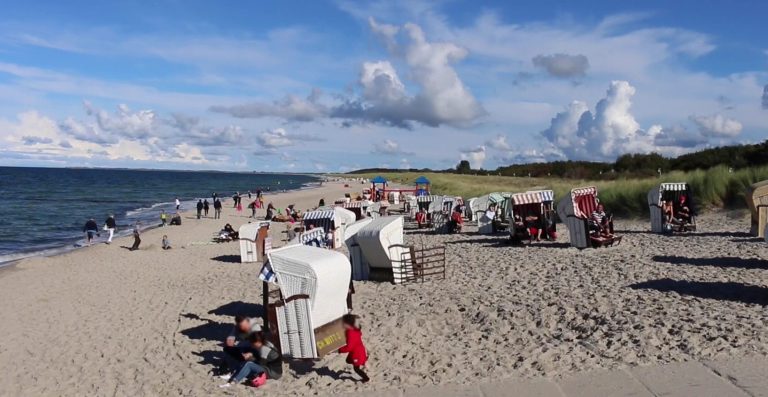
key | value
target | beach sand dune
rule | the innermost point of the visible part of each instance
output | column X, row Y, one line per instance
column 106, row 321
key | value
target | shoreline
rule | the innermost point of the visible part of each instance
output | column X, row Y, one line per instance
column 74, row 246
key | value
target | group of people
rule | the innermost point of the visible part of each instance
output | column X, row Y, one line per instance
column 677, row 213
column 249, row 355
column 91, row 230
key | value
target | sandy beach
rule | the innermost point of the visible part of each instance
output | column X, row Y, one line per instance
column 104, row 321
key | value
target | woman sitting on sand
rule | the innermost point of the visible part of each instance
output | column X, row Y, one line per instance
column 267, row 364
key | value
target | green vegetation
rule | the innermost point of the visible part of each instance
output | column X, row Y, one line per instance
column 716, row 187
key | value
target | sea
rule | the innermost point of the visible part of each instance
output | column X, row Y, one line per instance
column 43, row 210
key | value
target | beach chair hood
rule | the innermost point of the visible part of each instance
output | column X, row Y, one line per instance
column 375, row 239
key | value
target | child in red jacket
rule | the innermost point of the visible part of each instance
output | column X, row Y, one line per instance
column 357, row 355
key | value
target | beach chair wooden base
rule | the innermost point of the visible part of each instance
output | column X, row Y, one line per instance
column 608, row 241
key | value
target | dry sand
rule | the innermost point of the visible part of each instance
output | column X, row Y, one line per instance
column 105, row 321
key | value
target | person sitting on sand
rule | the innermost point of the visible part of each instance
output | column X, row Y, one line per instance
column 682, row 210
column 533, row 223
column 236, row 346
column 166, row 243
column 267, row 363
column 457, row 220
column 90, row 229
column 176, row 220
column 600, row 222
column 231, row 232
column 355, row 349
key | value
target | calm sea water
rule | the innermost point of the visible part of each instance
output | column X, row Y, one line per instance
column 43, row 210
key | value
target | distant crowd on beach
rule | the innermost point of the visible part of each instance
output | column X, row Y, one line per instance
column 92, row 231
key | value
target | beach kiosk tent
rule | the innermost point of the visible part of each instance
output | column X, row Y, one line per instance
column 331, row 220
column 306, row 320
column 375, row 240
column 757, row 200
column 379, row 180
column 668, row 192
column 537, row 203
column 252, row 239
column 575, row 211
column 422, row 186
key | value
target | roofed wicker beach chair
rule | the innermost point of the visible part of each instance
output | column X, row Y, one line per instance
column 531, row 216
column 576, row 211
column 757, row 200
column 671, row 206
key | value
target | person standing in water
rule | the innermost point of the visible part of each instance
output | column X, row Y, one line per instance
column 178, row 204
column 110, row 225
column 90, row 229
column 206, row 207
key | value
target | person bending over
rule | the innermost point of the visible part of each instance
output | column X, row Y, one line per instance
column 90, row 229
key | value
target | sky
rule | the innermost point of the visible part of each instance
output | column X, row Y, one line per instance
column 329, row 86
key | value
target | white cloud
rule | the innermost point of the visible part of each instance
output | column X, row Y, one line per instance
column 388, row 147
column 279, row 137
column 765, row 97
column 441, row 97
column 717, row 126
column 562, row 65
column 499, row 143
column 610, row 132
column 475, row 156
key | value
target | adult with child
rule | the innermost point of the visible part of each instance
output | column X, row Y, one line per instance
column 236, row 344
column 266, row 363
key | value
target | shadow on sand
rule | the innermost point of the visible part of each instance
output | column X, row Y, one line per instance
column 725, row 291
column 227, row 258
column 723, row 261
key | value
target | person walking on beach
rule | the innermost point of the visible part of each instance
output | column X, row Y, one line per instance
column 355, row 349
column 217, row 209
column 199, row 208
column 90, row 229
column 178, row 204
column 249, row 195
column 235, row 199
column 253, row 206
column 110, row 225
column 136, row 236
column 163, row 218
column 206, row 207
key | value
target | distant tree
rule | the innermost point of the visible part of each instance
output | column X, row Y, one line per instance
column 463, row 167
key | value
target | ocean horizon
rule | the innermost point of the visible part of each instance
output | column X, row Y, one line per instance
column 46, row 208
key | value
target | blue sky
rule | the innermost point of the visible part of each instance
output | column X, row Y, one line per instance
column 338, row 85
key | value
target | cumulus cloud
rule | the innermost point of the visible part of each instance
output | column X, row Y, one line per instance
column 440, row 96
column 611, row 131
column 676, row 137
column 279, row 137
column 476, row 156
column 388, row 147
column 765, row 97
column 498, row 143
column 562, row 65
column 717, row 126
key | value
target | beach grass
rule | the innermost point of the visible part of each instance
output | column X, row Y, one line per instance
column 717, row 187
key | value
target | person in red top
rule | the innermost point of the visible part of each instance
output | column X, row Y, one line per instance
column 357, row 355
column 457, row 219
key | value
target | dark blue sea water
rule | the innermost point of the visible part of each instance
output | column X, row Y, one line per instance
column 43, row 210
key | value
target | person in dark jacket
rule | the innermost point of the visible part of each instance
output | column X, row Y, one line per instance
column 355, row 349
column 267, row 362
column 90, row 229
column 217, row 209
column 199, row 208
column 111, row 226
column 206, row 207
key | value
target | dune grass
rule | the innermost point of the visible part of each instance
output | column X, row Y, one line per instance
column 716, row 187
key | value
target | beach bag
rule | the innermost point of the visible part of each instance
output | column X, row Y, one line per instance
column 260, row 380
column 667, row 228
